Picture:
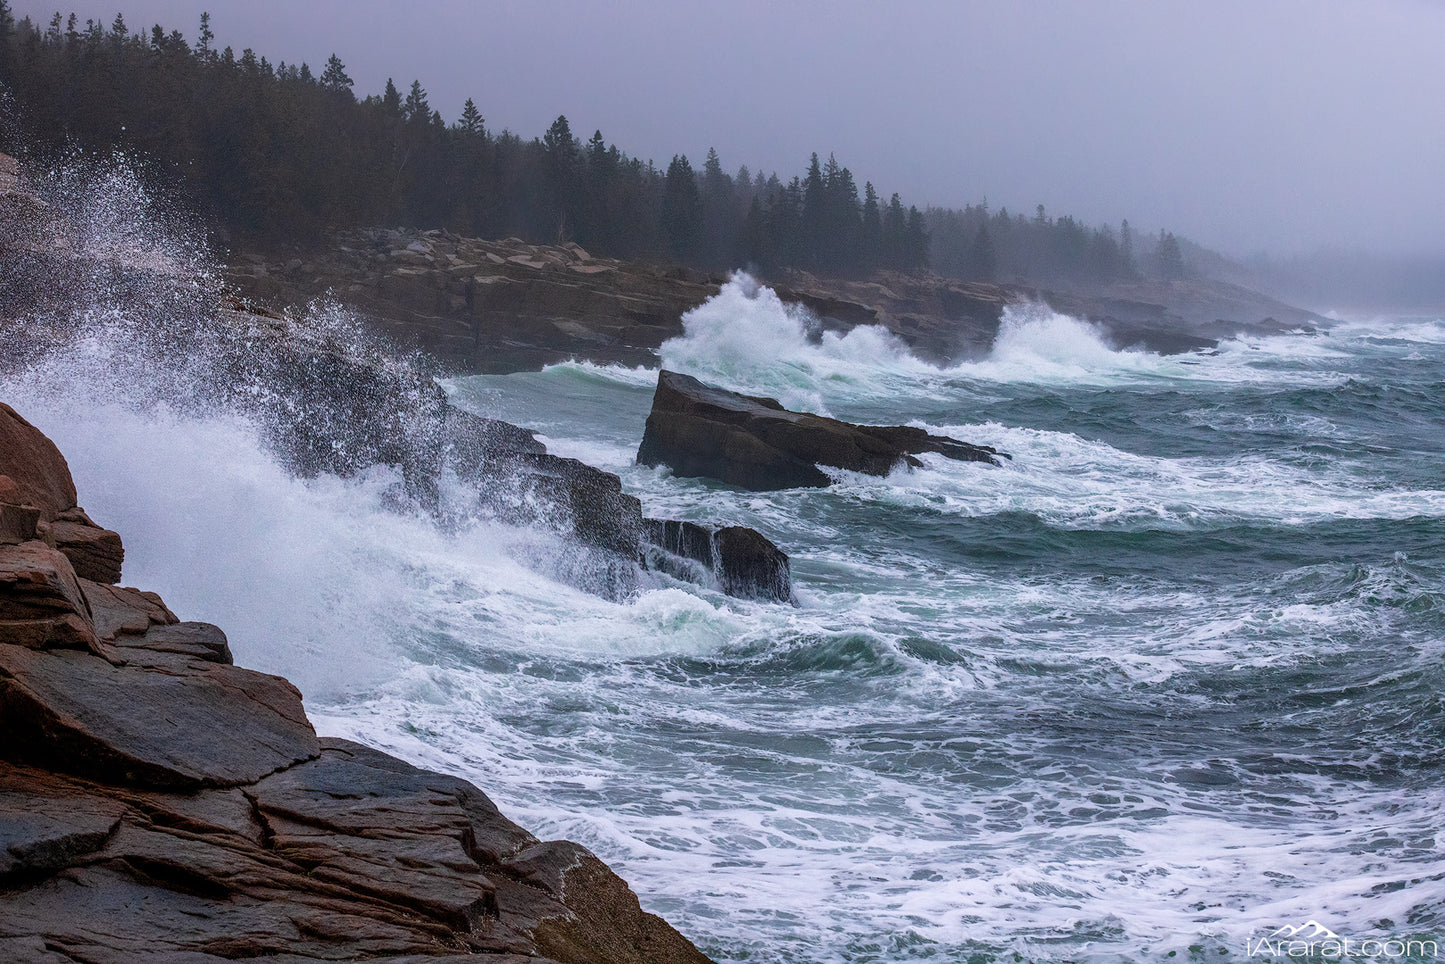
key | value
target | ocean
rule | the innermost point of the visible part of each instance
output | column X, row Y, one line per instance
column 1166, row 684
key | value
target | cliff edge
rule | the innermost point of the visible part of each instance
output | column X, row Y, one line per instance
column 159, row 803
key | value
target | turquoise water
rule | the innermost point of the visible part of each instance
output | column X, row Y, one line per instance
column 1167, row 682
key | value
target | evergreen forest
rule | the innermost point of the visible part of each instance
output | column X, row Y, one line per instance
column 281, row 154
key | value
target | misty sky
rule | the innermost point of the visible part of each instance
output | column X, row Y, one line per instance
column 1278, row 125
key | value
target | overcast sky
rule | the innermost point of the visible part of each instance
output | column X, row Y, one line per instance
column 1278, row 125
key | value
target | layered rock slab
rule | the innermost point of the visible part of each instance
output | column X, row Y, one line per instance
column 699, row 430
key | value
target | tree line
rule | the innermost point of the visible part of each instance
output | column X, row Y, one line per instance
column 278, row 154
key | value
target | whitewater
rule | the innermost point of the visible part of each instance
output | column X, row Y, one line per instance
column 1166, row 682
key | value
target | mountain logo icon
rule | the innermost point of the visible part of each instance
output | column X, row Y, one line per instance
column 1310, row 930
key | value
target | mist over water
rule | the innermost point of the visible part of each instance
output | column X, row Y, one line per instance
column 1167, row 680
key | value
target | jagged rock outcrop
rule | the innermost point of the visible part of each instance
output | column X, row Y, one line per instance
column 489, row 305
column 755, row 443
column 159, row 803
column 737, row 560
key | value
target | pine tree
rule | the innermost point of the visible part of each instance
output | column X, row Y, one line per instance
column 391, row 99
column 915, row 242
column 871, row 238
column 716, row 184
column 559, row 143
column 982, row 256
column 203, row 41
column 7, row 31
column 1170, row 257
column 681, row 209
column 597, row 152
column 840, row 246
column 416, row 109
column 471, row 123
column 815, row 213
column 895, row 230
column 334, row 78
column 560, row 149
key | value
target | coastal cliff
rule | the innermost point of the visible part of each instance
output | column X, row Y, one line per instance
column 158, row 802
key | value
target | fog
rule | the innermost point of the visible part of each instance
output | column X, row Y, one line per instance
column 1253, row 126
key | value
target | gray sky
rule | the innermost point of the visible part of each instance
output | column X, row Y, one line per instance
column 1279, row 125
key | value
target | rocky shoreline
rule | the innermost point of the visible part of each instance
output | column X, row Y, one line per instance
column 159, row 803
column 496, row 306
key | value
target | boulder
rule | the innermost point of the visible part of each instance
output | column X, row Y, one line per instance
column 591, row 501
column 117, row 610
column 202, row 641
column 473, row 445
column 749, row 565
column 741, row 561
column 754, row 443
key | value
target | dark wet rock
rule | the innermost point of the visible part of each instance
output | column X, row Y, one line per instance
column 686, row 539
column 474, row 444
column 328, row 402
column 749, row 565
column 593, row 502
column 741, row 561
column 754, row 443
column 178, row 722
column 197, row 640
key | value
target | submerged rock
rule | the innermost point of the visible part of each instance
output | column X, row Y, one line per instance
column 755, row 443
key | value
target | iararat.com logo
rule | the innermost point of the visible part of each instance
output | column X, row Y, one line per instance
column 1314, row 940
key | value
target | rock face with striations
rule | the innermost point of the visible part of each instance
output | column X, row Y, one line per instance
column 158, row 803
column 755, row 443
